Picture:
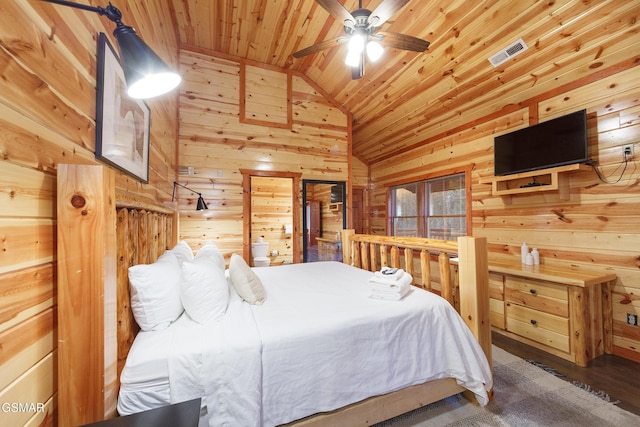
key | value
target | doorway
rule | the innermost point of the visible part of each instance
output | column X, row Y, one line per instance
column 323, row 217
column 271, row 213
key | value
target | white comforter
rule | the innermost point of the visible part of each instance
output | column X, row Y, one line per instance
column 316, row 344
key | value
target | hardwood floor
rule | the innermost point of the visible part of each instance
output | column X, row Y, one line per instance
column 618, row 377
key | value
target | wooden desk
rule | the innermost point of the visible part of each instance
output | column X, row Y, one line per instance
column 563, row 310
column 184, row 414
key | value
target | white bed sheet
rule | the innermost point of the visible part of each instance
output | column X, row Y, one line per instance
column 326, row 344
column 144, row 382
column 316, row 344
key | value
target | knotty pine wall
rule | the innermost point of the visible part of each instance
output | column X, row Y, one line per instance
column 599, row 227
column 47, row 117
column 218, row 139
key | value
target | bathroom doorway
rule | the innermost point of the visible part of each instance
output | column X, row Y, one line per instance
column 271, row 214
column 324, row 215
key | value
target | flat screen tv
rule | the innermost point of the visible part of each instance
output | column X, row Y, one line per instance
column 556, row 142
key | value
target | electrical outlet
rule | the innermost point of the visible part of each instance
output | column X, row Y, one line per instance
column 632, row 319
column 627, row 151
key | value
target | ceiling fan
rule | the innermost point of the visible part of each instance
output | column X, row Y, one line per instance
column 364, row 41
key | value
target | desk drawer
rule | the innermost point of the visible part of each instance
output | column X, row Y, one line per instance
column 538, row 326
column 537, row 294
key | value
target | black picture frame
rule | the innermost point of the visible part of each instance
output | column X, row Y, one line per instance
column 122, row 123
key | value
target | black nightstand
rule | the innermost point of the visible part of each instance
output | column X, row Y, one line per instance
column 184, row 414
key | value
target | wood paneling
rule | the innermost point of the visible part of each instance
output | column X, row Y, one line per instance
column 47, row 117
column 407, row 97
column 596, row 227
column 216, row 144
column 264, row 96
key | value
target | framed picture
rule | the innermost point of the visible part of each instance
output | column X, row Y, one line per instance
column 122, row 123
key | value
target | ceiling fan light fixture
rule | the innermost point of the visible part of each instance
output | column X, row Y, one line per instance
column 353, row 58
column 356, row 43
column 374, row 50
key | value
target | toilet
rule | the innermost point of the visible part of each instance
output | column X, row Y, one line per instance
column 259, row 251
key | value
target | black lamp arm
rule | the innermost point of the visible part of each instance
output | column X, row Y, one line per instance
column 180, row 185
column 111, row 12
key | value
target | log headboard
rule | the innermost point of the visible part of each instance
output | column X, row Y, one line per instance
column 100, row 235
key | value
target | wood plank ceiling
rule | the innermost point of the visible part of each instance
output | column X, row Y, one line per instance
column 406, row 98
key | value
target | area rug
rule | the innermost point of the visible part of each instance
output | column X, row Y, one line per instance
column 524, row 395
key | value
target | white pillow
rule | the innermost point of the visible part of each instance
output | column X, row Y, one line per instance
column 204, row 290
column 245, row 281
column 183, row 252
column 211, row 251
column 155, row 292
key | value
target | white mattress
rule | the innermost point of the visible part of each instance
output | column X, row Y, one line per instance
column 316, row 344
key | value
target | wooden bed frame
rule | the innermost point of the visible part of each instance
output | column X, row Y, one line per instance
column 101, row 234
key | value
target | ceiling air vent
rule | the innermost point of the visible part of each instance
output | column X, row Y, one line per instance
column 509, row 52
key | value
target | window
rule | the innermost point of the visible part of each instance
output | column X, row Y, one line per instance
column 433, row 208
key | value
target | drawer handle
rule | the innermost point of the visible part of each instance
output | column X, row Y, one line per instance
column 534, row 322
column 532, row 291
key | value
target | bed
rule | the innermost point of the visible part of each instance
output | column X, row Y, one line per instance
column 267, row 344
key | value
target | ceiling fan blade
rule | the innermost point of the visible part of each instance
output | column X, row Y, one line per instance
column 337, row 10
column 384, row 11
column 327, row 44
column 403, row 41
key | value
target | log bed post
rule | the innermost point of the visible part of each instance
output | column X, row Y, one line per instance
column 473, row 273
column 86, row 258
column 101, row 233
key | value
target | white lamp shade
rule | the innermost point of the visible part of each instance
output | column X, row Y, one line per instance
column 145, row 72
column 353, row 58
column 374, row 50
column 356, row 43
column 153, row 85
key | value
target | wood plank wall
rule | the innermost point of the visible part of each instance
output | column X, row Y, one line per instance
column 596, row 228
column 47, row 117
column 215, row 144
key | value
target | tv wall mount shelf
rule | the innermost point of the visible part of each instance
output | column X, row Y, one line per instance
column 552, row 179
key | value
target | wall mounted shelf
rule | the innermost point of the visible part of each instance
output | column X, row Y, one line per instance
column 335, row 207
column 552, row 179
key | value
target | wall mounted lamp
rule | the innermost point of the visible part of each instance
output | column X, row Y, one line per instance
column 200, row 206
column 146, row 74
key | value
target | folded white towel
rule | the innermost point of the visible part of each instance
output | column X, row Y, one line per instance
column 396, row 286
column 391, row 296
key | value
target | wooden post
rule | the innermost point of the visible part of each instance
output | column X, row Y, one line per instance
column 446, row 290
column 408, row 262
column 395, row 257
column 364, row 256
column 425, row 269
column 374, row 256
column 346, row 246
column 607, row 317
column 473, row 273
column 384, row 261
column 86, row 258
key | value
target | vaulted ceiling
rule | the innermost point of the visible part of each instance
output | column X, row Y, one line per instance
column 406, row 98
